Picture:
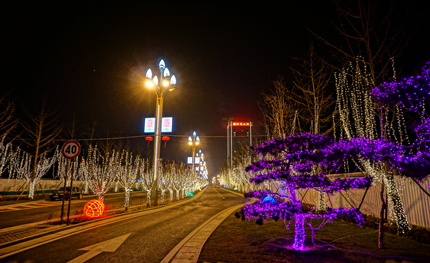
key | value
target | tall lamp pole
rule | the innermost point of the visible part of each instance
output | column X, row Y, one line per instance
column 193, row 142
column 160, row 86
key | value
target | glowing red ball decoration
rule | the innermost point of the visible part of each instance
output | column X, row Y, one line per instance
column 94, row 208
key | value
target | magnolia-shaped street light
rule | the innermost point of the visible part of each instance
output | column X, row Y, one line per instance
column 194, row 141
column 160, row 86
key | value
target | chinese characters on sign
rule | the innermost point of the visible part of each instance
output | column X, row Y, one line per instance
column 241, row 124
column 166, row 125
column 149, row 125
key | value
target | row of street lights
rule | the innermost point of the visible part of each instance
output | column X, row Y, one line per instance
column 193, row 142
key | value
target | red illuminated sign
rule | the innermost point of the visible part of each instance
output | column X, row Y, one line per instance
column 240, row 123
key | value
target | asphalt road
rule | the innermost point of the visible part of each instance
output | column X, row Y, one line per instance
column 146, row 238
column 53, row 210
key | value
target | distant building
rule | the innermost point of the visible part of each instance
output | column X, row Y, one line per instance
column 239, row 142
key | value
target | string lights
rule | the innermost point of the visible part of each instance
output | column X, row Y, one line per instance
column 408, row 92
column 362, row 117
column 302, row 161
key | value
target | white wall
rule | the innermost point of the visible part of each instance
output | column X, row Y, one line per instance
column 415, row 202
column 15, row 185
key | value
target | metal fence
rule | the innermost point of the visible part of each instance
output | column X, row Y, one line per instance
column 415, row 201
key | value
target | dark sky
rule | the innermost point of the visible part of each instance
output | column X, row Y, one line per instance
column 88, row 59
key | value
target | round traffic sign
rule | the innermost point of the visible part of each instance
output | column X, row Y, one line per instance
column 71, row 149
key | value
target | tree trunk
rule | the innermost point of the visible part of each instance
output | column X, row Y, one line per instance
column 86, row 188
column 396, row 205
column 299, row 238
column 163, row 191
column 31, row 190
column 381, row 219
column 148, row 197
column 127, row 198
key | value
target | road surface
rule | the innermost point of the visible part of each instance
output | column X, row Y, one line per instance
column 145, row 237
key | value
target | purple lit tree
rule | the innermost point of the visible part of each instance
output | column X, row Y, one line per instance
column 377, row 112
column 301, row 162
column 411, row 93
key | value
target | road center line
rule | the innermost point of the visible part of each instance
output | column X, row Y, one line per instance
column 219, row 193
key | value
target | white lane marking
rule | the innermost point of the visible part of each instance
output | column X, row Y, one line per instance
column 219, row 194
column 106, row 246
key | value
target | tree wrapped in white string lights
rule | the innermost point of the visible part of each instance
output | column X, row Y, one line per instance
column 373, row 112
column 163, row 181
column 412, row 94
column 23, row 166
column 361, row 117
column 145, row 179
column 100, row 170
column 74, row 171
column 176, row 176
column 128, row 174
column 5, row 155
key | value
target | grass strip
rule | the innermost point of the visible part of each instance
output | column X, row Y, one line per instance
column 245, row 241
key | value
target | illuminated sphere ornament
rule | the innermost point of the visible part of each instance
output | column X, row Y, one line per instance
column 94, row 208
column 269, row 199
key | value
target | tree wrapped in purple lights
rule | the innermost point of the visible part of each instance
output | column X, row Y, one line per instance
column 302, row 161
column 409, row 92
column 373, row 112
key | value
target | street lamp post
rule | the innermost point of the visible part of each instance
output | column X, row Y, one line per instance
column 160, row 87
column 193, row 142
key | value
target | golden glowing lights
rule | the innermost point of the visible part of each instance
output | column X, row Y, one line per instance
column 149, row 83
column 241, row 124
column 94, row 208
column 165, row 83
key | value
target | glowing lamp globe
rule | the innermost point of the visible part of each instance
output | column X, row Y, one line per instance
column 94, row 208
column 269, row 199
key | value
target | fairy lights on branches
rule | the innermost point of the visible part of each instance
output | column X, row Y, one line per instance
column 302, row 161
column 361, row 117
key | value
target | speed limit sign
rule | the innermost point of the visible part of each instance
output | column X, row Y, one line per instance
column 71, row 149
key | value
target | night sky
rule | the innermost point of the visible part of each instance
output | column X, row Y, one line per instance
column 87, row 60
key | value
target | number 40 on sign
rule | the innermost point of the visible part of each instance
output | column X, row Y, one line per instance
column 71, row 149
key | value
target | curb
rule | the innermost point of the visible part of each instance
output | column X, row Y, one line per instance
column 189, row 249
